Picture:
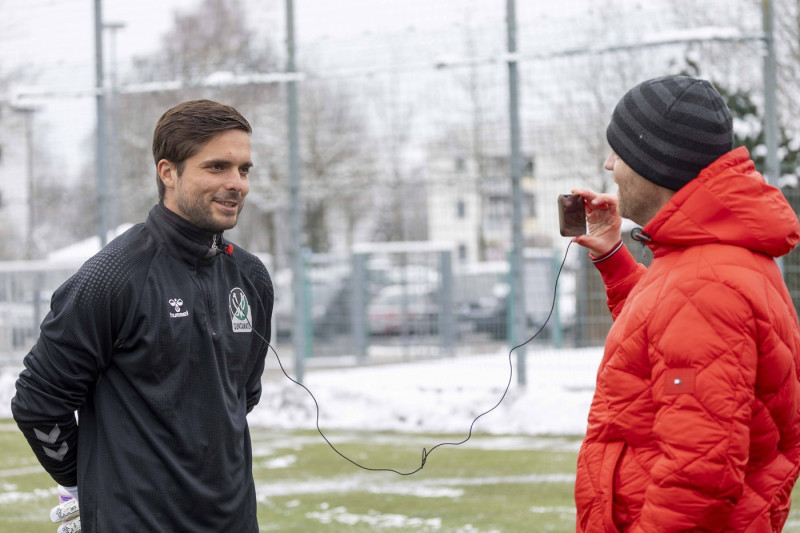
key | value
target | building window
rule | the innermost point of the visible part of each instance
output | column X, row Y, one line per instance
column 462, row 252
column 461, row 209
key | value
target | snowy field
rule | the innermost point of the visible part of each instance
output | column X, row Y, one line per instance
column 430, row 396
column 441, row 395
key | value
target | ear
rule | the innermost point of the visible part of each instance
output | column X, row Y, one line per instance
column 167, row 173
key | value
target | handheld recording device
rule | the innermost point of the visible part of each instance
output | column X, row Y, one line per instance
column 571, row 215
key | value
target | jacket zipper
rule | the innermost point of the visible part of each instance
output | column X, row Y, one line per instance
column 204, row 290
column 207, row 305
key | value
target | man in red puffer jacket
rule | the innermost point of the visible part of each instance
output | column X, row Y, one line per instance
column 695, row 422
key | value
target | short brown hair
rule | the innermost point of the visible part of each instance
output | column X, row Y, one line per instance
column 184, row 129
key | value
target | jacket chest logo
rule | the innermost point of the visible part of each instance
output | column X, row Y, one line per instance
column 679, row 381
column 239, row 307
column 176, row 304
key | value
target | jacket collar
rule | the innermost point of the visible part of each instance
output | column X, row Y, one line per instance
column 729, row 203
column 181, row 238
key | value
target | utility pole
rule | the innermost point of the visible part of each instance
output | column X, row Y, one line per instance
column 113, row 159
column 517, row 294
column 299, row 339
column 100, row 139
column 772, row 170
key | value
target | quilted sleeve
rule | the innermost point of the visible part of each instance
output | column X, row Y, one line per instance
column 703, row 352
column 620, row 273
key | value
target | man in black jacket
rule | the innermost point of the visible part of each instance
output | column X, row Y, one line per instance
column 158, row 342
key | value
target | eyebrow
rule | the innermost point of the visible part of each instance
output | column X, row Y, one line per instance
column 224, row 162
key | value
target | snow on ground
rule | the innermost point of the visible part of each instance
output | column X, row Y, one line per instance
column 429, row 396
column 441, row 395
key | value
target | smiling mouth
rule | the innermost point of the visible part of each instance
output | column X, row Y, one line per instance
column 227, row 203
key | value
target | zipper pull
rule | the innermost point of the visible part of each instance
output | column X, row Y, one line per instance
column 213, row 250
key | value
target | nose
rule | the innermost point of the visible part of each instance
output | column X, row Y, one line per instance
column 237, row 182
column 609, row 164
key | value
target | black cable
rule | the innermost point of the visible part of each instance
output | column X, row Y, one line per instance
column 425, row 452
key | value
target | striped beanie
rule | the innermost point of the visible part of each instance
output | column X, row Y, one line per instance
column 668, row 129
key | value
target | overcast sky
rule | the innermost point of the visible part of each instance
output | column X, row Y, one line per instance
column 51, row 42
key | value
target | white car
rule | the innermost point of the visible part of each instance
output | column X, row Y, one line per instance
column 404, row 309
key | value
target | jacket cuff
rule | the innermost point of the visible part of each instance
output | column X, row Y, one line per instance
column 600, row 258
column 616, row 265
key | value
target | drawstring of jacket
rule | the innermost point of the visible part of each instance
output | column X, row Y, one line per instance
column 638, row 235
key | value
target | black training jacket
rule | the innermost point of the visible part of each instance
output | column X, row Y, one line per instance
column 151, row 342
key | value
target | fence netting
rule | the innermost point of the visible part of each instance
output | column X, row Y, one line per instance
column 404, row 140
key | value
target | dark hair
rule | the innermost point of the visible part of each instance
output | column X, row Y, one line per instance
column 183, row 130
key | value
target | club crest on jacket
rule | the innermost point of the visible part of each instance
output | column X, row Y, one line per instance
column 240, row 311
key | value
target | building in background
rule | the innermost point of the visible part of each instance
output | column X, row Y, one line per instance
column 477, row 218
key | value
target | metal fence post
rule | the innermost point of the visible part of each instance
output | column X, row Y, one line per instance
column 446, row 317
column 558, row 331
column 307, row 312
column 358, row 306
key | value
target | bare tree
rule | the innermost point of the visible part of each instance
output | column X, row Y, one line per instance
column 209, row 41
column 396, row 183
column 337, row 160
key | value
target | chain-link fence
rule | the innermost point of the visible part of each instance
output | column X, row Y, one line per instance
column 404, row 138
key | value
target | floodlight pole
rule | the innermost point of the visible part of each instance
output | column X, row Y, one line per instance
column 100, row 136
column 113, row 167
column 772, row 171
column 299, row 339
column 517, row 293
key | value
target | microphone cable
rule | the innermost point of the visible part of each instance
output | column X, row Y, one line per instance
column 425, row 453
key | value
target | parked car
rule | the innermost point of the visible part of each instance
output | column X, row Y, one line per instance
column 488, row 314
column 404, row 309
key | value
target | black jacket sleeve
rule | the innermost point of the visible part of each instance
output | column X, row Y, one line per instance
column 74, row 345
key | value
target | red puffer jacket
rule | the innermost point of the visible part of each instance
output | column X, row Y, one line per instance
column 695, row 422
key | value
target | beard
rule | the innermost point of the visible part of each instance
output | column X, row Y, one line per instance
column 200, row 212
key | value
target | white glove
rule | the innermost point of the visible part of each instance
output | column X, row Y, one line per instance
column 68, row 513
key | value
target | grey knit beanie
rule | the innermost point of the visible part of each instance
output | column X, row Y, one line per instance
column 668, row 129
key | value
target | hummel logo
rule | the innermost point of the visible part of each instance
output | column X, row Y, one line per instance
column 57, row 455
column 177, row 303
column 48, row 438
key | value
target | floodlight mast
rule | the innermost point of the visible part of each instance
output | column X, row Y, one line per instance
column 300, row 337
column 100, row 135
column 114, row 157
column 517, row 294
